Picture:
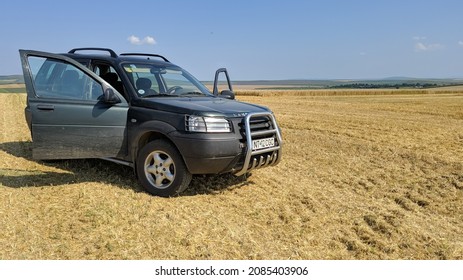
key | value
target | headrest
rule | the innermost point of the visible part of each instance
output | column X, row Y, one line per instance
column 143, row 83
column 110, row 77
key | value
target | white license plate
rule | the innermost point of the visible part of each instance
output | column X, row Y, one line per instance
column 263, row 143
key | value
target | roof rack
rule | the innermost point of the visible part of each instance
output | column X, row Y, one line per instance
column 111, row 52
column 146, row 54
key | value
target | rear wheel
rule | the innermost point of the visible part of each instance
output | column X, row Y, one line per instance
column 161, row 169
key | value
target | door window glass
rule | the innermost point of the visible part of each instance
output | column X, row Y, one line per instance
column 109, row 74
column 58, row 79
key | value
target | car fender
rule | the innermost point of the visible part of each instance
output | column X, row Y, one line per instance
column 143, row 132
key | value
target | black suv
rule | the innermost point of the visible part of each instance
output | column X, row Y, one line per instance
column 145, row 112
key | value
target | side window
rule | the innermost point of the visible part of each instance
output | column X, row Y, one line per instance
column 59, row 79
column 109, row 74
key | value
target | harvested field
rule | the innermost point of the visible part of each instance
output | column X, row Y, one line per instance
column 12, row 86
column 364, row 176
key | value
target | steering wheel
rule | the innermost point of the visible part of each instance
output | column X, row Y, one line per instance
column 173, row 89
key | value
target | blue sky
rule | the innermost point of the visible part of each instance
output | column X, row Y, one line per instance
column 255, row 40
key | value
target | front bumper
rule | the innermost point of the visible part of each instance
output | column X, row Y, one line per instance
column 205, row 153
column 208, row 154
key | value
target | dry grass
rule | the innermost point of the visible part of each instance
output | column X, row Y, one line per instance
column 363, row 177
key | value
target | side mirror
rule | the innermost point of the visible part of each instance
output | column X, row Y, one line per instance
column 110, row 96
column 227, row 94
column 216, row 81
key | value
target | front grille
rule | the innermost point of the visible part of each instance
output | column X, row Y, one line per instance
column 260, row 123
column 255, row 127
column 257, row 124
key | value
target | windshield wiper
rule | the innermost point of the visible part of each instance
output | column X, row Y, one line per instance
column 159, row 95
column 193, row 93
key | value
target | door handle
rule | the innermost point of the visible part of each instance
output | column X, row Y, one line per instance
column 45, row 107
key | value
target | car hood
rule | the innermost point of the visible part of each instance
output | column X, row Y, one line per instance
column 202, row 106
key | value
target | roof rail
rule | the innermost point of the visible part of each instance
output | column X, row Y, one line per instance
column 111, row 52
column 146, row 54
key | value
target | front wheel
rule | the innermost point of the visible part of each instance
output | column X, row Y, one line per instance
column 161, row 169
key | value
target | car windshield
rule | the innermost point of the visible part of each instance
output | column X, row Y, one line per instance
column 159, row 81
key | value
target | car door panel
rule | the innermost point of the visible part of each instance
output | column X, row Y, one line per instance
column 66, row 121
column 99, row 131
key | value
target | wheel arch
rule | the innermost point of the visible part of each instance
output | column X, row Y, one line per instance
column 149, row 132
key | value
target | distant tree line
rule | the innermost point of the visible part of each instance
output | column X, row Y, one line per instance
column 402, row 85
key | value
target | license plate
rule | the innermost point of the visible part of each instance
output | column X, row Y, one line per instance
column 263, row 143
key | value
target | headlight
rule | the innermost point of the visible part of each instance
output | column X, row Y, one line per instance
column 206, row 124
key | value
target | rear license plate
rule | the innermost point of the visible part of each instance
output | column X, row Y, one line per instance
column 263, row 143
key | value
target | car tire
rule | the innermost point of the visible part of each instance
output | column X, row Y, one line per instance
column 161, row 169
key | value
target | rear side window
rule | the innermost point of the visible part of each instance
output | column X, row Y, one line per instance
column 59, row 79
